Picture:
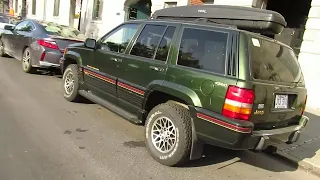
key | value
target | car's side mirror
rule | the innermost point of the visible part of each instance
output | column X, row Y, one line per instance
column 91, row 43
column 8, row 27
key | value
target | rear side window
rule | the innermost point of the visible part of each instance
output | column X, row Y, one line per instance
column 148, row 41
column 273, row 62
column 203, row 49
column 164, row 45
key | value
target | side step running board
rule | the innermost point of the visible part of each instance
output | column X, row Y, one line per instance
column 115, row 109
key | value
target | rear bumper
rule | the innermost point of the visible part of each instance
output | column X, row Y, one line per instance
column 215, row 129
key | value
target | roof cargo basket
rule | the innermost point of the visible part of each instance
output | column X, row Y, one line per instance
column 246, row 18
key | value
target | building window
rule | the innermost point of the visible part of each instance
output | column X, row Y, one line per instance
column 34, row 6
column 208, row 2
column 170, row 4
column 56, row 8
column 97, row 9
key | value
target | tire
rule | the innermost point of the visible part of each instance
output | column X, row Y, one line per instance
column 2, row 54
column 71, row 75
column 26, row 62
column 179, row 116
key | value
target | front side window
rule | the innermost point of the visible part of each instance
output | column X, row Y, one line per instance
column 24, row 26
column 148, row 41
column 203, row 49
column 97, row 9
column 118, row 40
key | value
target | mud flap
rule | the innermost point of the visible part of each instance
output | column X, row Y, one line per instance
column 196, row 146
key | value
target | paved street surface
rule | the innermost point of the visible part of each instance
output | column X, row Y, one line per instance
column 44, row 137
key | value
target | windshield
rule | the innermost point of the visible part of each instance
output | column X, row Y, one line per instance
column 271, row 61
column 63, row 31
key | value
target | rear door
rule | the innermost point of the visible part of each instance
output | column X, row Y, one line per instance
column 278, row 82
column 145, row 62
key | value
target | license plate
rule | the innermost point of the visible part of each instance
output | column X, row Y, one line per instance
column 281, row 102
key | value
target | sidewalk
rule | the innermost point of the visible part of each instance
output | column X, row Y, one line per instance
column 306, row 152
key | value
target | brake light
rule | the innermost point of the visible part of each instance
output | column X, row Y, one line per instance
column 42, row 56
column 238, row 103
column 48, row 44
column 304, row 105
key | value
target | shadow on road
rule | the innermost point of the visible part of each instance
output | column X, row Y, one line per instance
column 306, row 147
column 224, row 157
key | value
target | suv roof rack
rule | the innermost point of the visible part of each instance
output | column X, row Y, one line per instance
column 246, row 18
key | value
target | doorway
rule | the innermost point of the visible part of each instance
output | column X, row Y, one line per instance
column 137, row 9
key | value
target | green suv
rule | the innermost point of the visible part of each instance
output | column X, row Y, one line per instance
column 193, row 82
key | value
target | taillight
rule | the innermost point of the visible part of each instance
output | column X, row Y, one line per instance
column 238, row 103
column 304, row 105
column 48, row 44
column 42, row 56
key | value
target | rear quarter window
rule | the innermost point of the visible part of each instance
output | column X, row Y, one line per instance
column 271, row 61
column 203, row 49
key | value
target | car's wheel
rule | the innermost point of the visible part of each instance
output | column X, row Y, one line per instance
column 169, row 133
column 71, row 83
column 2, row 54
column 26, row 62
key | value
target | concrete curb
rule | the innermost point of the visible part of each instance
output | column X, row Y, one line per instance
column 305, row 165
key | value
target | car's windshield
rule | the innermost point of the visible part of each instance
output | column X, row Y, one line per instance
column 63, row 31
column 271, row 61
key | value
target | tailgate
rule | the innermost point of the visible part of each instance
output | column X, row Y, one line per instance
column 277, row 79
column 277, row 106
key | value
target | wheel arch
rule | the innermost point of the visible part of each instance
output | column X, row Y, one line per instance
column 71, row 58
column 181, row 94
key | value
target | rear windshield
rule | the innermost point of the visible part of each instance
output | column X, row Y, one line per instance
column 63, row 31
column 271, row 61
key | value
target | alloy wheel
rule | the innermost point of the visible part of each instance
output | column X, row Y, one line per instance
column 69, row 83
column 163, row 134
column 26, row 60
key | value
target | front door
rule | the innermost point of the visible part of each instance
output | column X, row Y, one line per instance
column 107, row 58
column 145, row 63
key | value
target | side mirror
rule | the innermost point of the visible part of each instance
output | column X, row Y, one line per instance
column 8, row 27
column 91, row 43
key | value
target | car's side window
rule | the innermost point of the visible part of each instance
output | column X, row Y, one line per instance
column 22, row 26
column 203, row 49
column 148, row 41
column 118, row 40
column 163, row 49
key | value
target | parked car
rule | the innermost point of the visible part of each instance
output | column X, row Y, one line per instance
column 38, row 44
column 6, row 20
column 194, row 81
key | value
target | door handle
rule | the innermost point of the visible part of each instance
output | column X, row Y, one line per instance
column 115, row 59
column 156, row 68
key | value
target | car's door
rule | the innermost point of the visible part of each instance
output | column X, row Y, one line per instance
column 22, row 38
column 110, row 50
column 10, row 41
column 145, row 63
column 17, row 40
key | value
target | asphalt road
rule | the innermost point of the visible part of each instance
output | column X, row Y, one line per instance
column 44, row 137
